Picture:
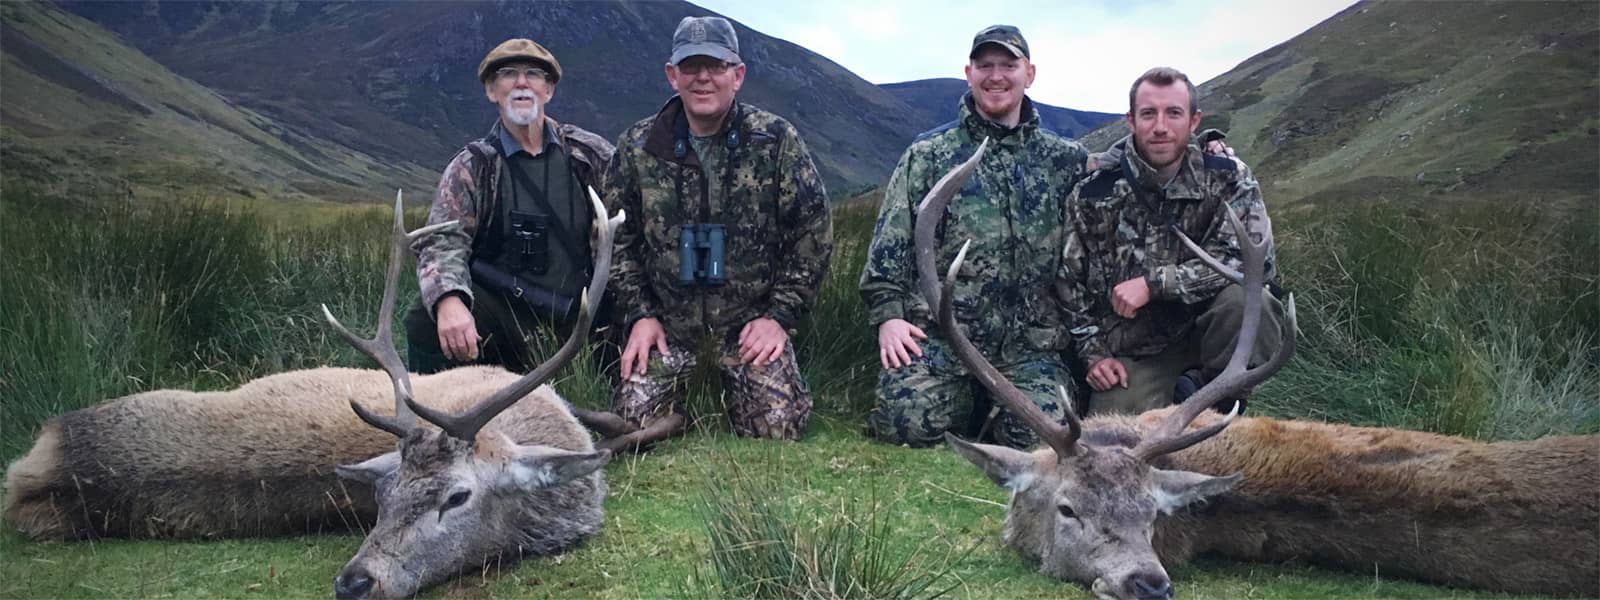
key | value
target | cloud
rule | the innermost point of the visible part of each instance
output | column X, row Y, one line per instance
column 1088, row 51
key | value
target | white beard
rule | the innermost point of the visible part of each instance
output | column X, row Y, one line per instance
column 519, row 116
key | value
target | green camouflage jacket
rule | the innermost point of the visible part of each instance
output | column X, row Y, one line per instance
column 769, row 198
column 1116, row 237
column 1013, row 209
column 442, row 257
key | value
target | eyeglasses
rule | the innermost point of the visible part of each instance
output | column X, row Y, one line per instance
column 695, row 68
column 511, row 73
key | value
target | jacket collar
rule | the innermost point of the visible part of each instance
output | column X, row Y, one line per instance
column 1185, row 185
column 670, row 128
column 508, row 145
column 980, row 126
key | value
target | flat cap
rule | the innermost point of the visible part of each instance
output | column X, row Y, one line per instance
column 519, row 50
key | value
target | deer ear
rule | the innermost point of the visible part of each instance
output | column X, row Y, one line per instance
column 1011, row 469
column 538, row 467
column 370, row 471
column 1176, row 489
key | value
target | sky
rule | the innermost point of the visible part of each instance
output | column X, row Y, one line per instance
column 1087, row 52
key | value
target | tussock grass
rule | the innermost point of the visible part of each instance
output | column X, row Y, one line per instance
column 1481, row 321
column 764, row 544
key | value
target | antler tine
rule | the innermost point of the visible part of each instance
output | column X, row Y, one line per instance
column 932, row 206
column 466, row 425
column 1235, row 378
column 381, row 346
column 929, row 214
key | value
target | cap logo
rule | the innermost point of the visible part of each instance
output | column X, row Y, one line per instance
column 697, row 32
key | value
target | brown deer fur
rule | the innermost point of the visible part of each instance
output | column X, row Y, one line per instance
column 1522, row 517
column 258, row 460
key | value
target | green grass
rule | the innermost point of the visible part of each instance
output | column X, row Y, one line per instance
column 1435, row 320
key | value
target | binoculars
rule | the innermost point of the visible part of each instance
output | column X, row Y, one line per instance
column 530, row 242
column 700, row 254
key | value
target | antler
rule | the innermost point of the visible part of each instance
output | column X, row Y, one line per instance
column 465, row 426
column 381, row 346
column 929, row 214
column 1235, row 378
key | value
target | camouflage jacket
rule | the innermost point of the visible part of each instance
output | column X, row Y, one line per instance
column 769, row 198
column 1117, row 236
column 467, row 192
column 1013, row 210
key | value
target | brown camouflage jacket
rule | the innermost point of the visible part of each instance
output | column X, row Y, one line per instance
column 442, row 257
column 769, row 197
column 1117, row 236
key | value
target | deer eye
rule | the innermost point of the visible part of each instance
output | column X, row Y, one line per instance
column 456, row 499
column 1066, row 511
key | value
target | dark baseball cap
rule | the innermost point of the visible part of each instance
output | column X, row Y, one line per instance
column 1006, row 36
column 705, row 36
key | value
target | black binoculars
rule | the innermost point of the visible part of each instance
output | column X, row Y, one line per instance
column 530, row 242
column 700, row 254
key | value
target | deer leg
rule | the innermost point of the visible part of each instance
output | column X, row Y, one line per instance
column 606, row 424
column 643, row 438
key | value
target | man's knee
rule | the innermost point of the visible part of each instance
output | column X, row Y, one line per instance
column 906, row 412
column 771, row 401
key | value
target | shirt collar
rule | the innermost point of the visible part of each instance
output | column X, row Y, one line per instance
column 552, row 140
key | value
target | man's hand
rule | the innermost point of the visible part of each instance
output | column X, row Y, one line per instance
column 1218, row 148
column 1107, row 373
column 761, row 341
column 646, row 334
column 1130, row 296
column 458, row 333
column 897, row 341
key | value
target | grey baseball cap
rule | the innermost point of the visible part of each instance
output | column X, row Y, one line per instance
column 1005, row 36
column 705, row 36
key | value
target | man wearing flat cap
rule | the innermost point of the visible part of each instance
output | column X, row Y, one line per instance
column 728, row 237
column 1012, row 209
column 521, row 256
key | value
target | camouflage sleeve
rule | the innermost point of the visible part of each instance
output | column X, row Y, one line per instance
column 807, row 235
column 1073, row 288
column 442, row 257
column 887, row 280
column 1192, row 281
column 629, row 282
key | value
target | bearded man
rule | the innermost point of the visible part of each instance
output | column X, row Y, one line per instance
column 521, row 256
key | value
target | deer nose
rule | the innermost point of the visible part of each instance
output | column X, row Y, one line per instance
column 352, row 583
column 1150, row 586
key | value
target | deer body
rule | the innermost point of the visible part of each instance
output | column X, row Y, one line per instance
column 257, row 460
column 1522, row 517
column 503, row 470
column 1510, row 516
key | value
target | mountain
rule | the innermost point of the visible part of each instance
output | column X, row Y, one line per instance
column 1482, row 99
column 935, row 100
column 82, row 110
column 396, row 80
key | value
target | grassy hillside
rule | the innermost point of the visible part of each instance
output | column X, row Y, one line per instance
column 936, row 99
column 1487, row 100
column 397, row 80
column 82, row 110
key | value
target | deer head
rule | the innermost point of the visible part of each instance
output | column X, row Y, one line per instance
column 448, row 497
column 1086, row 506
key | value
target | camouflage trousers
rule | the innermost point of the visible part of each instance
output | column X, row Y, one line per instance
column 1208, row 346
column 918, row 403
column 770, row 401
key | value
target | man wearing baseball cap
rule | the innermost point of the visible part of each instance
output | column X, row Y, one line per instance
column 521, row 256
column 1012, row 210
column 728, row 236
